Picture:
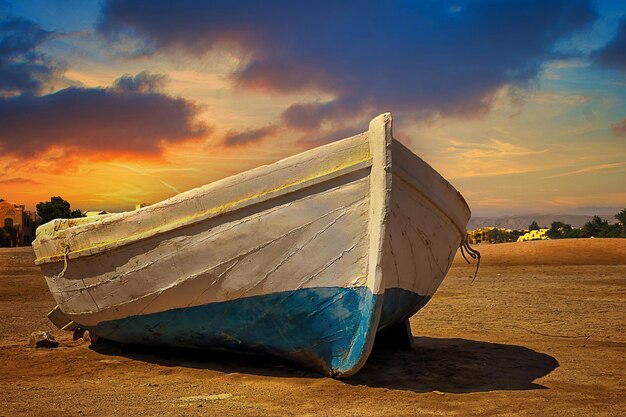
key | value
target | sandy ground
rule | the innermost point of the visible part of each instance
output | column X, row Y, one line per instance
column 542, row 331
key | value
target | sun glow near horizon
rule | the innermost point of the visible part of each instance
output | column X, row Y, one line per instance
column 113, row 121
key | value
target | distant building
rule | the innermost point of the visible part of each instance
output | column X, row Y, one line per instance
column 487, row 235
column 541, row 234
column 19, row 225
column 479, row 235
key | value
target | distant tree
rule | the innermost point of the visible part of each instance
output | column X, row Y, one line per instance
column 612, row 230
column 56, row 208
column 558, row 229
column 8, row 236
column 574, row 233
column 621, row 218
column 533, row 226
column 516, row 233
column 499, row 236
column 596, row 227
column 4, row 238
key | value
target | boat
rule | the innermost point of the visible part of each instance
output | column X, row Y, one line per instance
column 308, row 258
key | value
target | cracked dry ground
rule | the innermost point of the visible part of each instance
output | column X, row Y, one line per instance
column 542, row 331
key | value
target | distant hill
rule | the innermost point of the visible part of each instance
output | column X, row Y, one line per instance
column 519, row 222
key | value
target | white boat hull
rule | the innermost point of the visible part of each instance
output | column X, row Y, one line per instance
column 306, row 258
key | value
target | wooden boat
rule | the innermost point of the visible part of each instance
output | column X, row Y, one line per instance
column 307, row 258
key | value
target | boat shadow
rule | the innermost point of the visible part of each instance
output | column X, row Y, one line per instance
column 455, row 366
column 432, row 364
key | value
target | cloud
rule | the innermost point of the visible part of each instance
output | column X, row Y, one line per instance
column 144, row 82
column 600, row 200
column 132, row 117
column 316, row 138
column 592, row 168
column 428, row 58
column 233, row 138
column 19, row 180
column 129, row 118
column 22, row 68
column 492, row 158
column 612, row 55
column 170, row 186
column 309, row 116
column 493, row 148
column 619, row 129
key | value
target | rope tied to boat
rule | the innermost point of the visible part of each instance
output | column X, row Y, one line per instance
column 473, row 253
column 65, row 253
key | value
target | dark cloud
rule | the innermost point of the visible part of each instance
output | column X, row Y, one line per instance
column 309, row 116
column 248, row 136
column 130, row 117
column 613, row 54
column 314, row 139
column 22, row 68
column 144, row 82
column 427, row 57
column 619, row 129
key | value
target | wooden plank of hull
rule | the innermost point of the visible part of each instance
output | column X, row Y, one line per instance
column 357, row 242
column 89, row 237
column 317, row 240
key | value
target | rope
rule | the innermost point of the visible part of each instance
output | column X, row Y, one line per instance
column 65, row 253
column 463, row 253
column 473, row 253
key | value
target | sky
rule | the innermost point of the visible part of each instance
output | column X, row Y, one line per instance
column 521, row 105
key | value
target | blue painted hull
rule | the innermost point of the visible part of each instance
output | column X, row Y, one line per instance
column 330, row 330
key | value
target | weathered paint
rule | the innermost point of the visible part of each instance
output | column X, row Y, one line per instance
column 346, row 225
column 326, row 329
column 306, row 240
column 212, row 200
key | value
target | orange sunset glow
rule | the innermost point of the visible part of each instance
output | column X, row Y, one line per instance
column 110, row 107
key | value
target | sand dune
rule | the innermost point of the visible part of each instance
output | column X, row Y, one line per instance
column 553, row 252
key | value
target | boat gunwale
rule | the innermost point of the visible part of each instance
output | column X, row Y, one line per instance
column 207, row 214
